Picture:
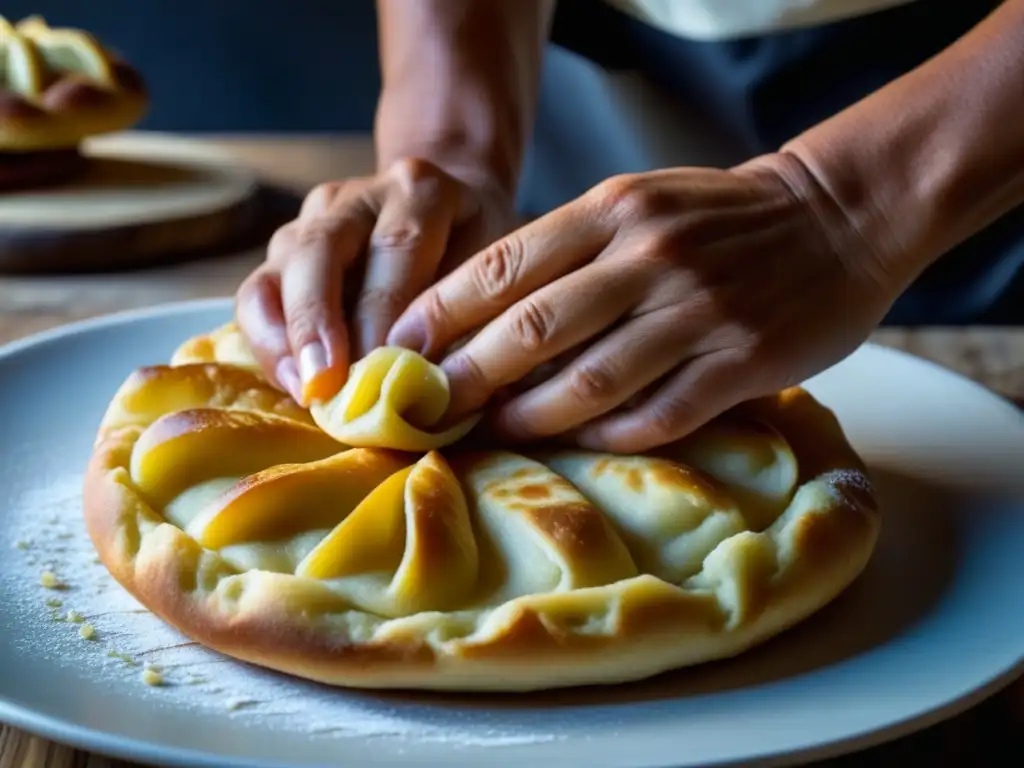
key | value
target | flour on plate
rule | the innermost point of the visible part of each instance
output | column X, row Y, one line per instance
column 77, row 616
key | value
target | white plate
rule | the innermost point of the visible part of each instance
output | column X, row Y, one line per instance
column 929, row 629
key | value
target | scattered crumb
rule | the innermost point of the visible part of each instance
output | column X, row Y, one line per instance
column 22, row 544
column 87, row 632
column 75, row 617
column 152, row 677
column 49, row 580
column 54, row 602
column 122, row 657
column 96, row 560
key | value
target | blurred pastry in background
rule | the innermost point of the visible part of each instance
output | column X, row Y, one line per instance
column 57, row 88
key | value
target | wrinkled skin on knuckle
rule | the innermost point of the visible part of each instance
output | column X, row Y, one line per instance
column 497, row 268
column 591, row 384
column 315, row 232
column 408, row 236
column 422, row 179
column 321, row 197
column 663, row 248
column 532, row 325
column 409, row 171
column 629, row 198
column 282, row 242
column 663, row 417
column 435, row 310
column 469, row 372
column 303, row 324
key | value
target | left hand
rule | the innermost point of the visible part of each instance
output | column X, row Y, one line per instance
column 664, row 298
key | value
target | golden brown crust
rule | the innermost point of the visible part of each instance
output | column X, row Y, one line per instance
column 61, row 86
column 623, row 623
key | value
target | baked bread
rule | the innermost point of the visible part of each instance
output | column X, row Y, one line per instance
column 57, row 87
column 244, row 521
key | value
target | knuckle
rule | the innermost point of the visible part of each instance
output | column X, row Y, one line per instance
column 665, row 416
column 497, row 268
column 411, row 170
column 419, row 177
column 251, row 291
column 532, row 325
column 303, row 324
column 628, row 198
column 318, row 230
column 435, row 311
column 663, row 244
column 321, row 196
column 282, row 242
column 467, row 370
column 591, row 383
column 409, row 236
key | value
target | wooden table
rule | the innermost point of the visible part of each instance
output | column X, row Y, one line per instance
column 994, row 357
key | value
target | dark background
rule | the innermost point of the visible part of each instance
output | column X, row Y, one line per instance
column 306, row 66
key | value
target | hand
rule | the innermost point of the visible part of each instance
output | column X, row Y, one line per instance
column 661, row 299
column 337, row 277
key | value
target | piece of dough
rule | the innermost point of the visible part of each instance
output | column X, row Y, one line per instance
column 219, row 505
column 393, row 398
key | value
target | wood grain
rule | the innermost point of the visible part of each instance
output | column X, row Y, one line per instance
column 991, row 356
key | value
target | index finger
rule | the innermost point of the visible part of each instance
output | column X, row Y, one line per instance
column 499, row 276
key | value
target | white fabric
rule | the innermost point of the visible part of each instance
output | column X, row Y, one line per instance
column 725, row 19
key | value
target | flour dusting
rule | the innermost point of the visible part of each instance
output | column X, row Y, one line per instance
column 75, row 615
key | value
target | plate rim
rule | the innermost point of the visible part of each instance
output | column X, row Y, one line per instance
column 67, row 732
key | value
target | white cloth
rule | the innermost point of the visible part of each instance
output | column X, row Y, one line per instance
column 726, row 19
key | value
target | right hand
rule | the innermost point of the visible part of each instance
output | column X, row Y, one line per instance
column 336, row 278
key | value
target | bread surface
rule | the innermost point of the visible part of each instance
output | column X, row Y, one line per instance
column 59, row 86
column 245, row 521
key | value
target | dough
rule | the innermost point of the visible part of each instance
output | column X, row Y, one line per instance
column 247, row 523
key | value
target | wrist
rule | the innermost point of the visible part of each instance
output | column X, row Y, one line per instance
column 455, row 153
column 933, row 157
column 852, row 239
column 463, row 116
column 847, row 195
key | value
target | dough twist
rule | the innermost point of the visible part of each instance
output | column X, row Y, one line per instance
column 220, row 504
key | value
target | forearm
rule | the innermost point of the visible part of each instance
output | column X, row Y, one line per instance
column 933, row 157
column 460, row 80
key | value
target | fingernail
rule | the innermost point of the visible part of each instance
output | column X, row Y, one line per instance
column 312, row 362
column 288, row 377
column 408, row 334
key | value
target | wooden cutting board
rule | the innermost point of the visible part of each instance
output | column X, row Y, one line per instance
column 144, row 199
